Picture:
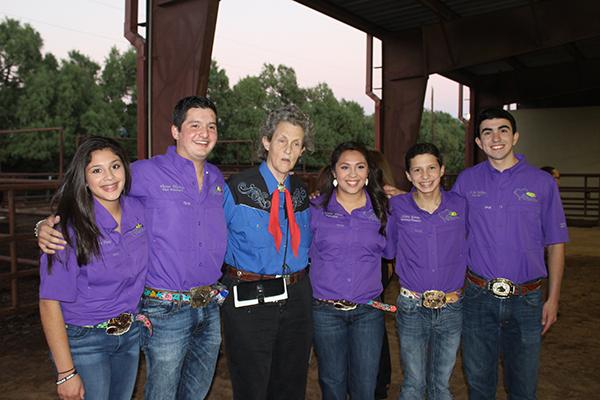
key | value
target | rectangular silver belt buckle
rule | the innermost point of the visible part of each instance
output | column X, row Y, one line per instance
column 433, row 299
column 501, row 287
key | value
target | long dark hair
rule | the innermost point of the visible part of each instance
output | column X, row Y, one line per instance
column 374, row 189
column 74, row 203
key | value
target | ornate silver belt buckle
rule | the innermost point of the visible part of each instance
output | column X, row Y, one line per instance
column 433, row 299
column 501, row 287
column 120, row 325
column 200, row 296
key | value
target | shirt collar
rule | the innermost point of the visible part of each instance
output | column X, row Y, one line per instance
column 270, row 180
column 105, row 220
column 443, row 201
column 176, row 160
column 520, row 164
column 181, row 163
column 335, row 205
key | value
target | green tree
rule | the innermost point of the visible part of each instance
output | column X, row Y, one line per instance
column 448, row 135
column 20, row 55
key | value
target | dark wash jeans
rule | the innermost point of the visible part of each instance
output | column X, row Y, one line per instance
column 268, row 345
column 348, row 348
column 494, row 326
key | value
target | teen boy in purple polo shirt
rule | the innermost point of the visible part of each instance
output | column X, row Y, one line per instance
column 428, row 227
column 183, row 198
column 514, row 212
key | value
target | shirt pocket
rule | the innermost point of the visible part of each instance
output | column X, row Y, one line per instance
column 172, row 223
column 525, row 225
column 329, row 239
column 451, row 239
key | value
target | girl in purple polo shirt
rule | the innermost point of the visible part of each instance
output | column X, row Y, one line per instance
column 348, row 222
column 89, row 292
column 428, row 228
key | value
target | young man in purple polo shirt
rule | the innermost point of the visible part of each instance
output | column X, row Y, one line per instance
column 183, row 199
column 514, row 212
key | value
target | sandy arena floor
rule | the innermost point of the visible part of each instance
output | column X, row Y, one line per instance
column 569, row 353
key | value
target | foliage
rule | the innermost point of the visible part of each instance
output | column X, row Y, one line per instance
column 448, row 136
column 37, row 91
column 85, row 98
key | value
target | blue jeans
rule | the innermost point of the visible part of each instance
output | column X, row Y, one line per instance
column 348, row 347
column 181, row 354
column 494, row 326
column 107, row 364
column 429, row 341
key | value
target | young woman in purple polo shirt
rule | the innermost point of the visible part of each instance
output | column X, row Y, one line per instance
column 89, row 291
column 348, row 222
column 428, row 228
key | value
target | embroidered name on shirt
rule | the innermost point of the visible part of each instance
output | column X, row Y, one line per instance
column 525, row 195
column 410, row 218
column 477, row 193
column 330, row 214
column 171, row 188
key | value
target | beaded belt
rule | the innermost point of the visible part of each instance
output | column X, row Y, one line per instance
column 167, row 295
column 198, row 296
column 432, row 299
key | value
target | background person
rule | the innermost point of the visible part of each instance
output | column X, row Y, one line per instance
column 554, row 172
column 428, row 228
column 348, row 223
column 89, row 291
column 267, row 212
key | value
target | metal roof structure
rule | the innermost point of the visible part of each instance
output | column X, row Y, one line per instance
column 536, row 53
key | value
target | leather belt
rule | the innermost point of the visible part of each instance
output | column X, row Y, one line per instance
column 503, row 288
column 246, row 276
column 433, row 299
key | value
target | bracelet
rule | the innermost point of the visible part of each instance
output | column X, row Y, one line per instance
column 66, row 378
column 64, row 372
column 36, row 230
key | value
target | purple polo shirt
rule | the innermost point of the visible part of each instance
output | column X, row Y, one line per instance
column 512, row 215
column 186, row 226
column 346, row 252
column 110, row 284
column 431, row 249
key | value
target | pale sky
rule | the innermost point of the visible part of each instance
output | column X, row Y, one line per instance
column 248, row 34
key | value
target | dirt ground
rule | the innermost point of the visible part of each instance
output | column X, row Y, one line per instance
column 569, row 353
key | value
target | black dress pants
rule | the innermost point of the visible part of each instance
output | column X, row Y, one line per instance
column 268, row 345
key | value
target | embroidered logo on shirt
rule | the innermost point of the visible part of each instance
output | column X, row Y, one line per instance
column 256, row 195
column 448, row 215
column 298, row 197
column 172, row 188
column 138, row 229
column 525, row 195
